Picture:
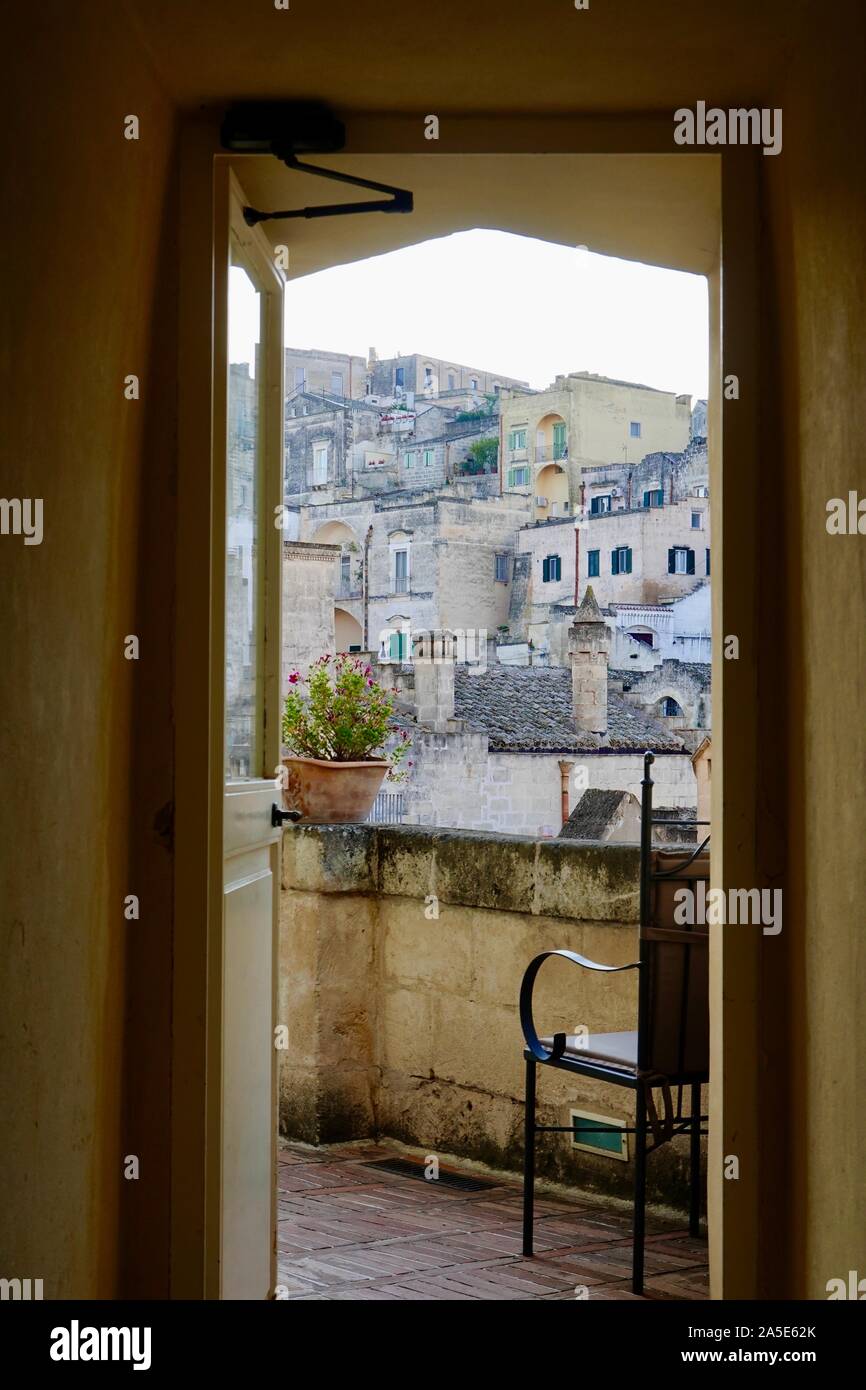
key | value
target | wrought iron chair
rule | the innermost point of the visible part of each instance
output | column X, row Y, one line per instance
column 669, row 1048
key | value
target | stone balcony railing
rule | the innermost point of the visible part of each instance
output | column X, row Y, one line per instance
column 401, row 954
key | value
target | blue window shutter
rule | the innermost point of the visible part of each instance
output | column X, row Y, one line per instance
column 690, row 562
column 708, row 562
column 672, row 561
column 628, row 560
column 557, row 565
column 545, row 571
column 614, row 562
column 646, row 498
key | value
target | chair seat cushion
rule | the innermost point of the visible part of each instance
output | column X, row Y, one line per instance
column 617, row 1050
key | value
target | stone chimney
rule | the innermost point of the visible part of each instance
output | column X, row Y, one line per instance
column 433, row 660
column 588, row 648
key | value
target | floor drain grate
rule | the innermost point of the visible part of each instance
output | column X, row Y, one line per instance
column 405, row 1168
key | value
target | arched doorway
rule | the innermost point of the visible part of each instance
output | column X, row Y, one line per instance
column 348, row 633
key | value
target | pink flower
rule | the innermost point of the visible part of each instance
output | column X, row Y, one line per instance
column 294, row 677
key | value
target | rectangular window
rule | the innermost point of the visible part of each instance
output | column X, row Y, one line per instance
column 500, row 571
column 398, row 376
column 397, row 646
column 337, row 383
column 300, row 378
column 428, row 458
column 634, row 429
column 697, row 521
column 599, row 505
column 518, row 477
column 401, row 571
column 592, row 567
column 451, row 381
column 409, row 459
column 320, row 464
column 551, row 569
column 517, row 441
column 474, row 383
column 620, row 560
column 681, row 560
column 654, row 498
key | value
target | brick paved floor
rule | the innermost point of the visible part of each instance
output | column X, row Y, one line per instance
column 350, row 1231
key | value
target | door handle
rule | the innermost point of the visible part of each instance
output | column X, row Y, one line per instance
column 278, row 815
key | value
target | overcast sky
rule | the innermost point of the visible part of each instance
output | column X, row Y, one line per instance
column 509, row 304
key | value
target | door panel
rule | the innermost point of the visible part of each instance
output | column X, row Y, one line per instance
column 248, row 432
column 251, row 877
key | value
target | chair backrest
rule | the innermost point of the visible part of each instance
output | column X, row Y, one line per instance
column 674, row 1032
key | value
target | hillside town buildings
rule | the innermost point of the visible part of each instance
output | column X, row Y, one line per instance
column 507, row 523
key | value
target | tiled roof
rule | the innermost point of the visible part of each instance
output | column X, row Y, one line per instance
column 528, row 709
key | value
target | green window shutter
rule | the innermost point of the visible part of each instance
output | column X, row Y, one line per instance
column 628, row 560
column 690, row 562
column 558, row 440
column 557, row 567
column 545, row 570
column 592, row 567
column 614, row 562
column 672, row 561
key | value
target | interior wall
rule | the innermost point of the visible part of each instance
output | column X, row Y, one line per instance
column 90, row 220
column 86, row 739
column 816, row 370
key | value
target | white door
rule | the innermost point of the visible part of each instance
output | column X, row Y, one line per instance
column 248, row 426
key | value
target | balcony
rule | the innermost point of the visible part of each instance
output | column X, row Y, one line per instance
column 401, row 954
column 551, row 453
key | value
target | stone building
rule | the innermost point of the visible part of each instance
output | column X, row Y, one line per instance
column 308, row 578
column 337, row 448
column 315, row 370
column 512, row 748
column 582, row 421
column 417, row 560
column 432, row 377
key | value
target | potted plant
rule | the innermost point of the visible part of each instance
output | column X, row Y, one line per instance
column 339, row 741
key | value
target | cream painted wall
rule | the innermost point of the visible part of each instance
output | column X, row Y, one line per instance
column 86, row 734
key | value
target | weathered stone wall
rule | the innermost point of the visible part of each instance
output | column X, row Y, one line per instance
column 309, row 580
column 454, row 781
column 403, row 1023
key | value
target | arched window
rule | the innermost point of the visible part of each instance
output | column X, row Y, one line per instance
column 669, row 707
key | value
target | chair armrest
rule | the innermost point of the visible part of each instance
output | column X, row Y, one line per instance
column 527, row 985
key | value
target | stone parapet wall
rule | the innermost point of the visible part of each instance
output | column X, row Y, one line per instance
column 401, row 954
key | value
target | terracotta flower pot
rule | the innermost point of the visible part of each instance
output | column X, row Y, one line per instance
column 335, row 793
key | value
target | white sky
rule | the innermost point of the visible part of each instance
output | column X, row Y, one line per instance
column 508, row 304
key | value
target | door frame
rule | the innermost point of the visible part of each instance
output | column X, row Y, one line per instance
column 737, row 1089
